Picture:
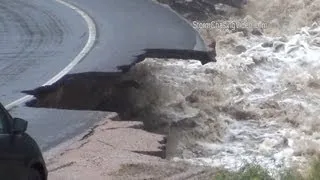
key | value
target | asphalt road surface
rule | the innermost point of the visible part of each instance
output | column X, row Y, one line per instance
column 38, row 39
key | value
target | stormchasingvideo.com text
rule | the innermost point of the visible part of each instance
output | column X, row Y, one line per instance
column 228, row 25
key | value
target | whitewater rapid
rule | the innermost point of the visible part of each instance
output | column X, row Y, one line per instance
column 277, row 82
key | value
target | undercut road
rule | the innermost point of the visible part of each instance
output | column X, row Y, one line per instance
column 38, row 39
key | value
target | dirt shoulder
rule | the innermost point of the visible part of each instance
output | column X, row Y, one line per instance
column 116, row 150
column 103, row 150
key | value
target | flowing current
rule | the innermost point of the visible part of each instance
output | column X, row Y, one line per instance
column 278, row 89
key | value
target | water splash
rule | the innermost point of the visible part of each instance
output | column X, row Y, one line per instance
column 279, row 81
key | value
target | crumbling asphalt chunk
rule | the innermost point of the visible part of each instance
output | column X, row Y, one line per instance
column 203, row 56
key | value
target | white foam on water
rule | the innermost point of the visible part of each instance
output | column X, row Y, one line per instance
column 281, row 85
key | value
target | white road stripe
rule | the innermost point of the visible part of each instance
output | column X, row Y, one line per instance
column 89, row 45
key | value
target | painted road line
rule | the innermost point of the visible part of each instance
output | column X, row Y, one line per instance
column 89, row 45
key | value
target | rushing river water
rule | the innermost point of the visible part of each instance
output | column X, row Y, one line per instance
column 278, row 85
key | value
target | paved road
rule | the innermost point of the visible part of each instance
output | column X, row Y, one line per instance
column 126, row 27
column 39, row 38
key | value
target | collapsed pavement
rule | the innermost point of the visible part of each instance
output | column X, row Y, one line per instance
column 136, row 93
column 163, row 94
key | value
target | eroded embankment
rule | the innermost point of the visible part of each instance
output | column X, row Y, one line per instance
column 84, row 91
column 106, row 91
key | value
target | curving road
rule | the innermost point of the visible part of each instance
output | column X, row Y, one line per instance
column 40, row 38
column 37, row 40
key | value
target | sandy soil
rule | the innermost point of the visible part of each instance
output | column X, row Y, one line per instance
column 119, row 150
column 102, row 150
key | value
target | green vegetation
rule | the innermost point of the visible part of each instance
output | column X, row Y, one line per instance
column 248, row 172
column 256, row 172
column 314, row 172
